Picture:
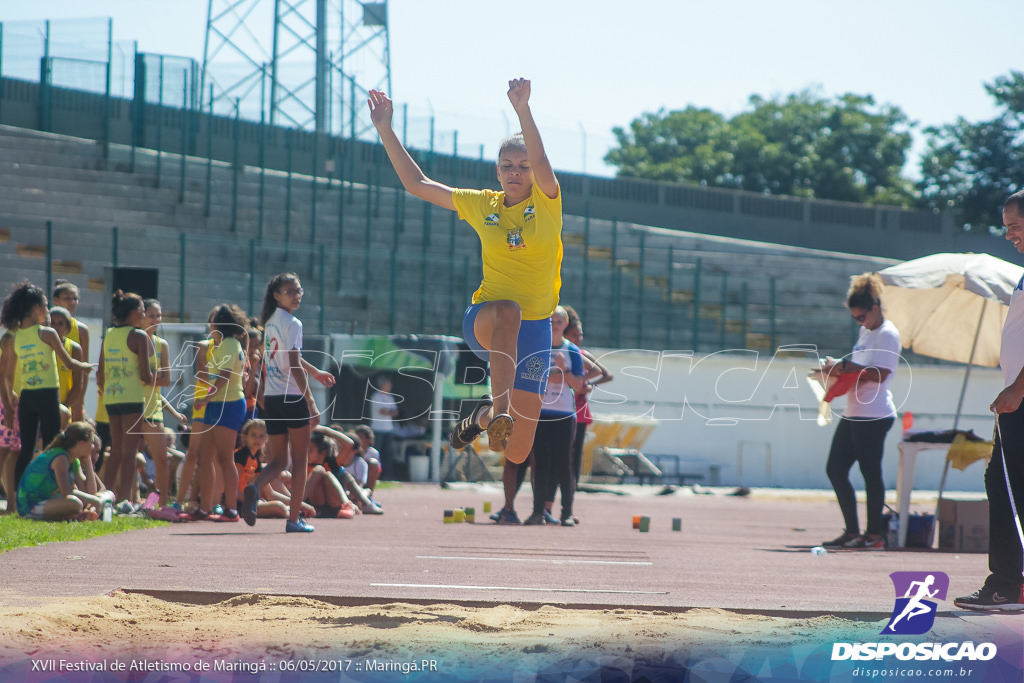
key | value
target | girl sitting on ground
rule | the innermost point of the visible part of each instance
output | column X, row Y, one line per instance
column 323, row 490
column 351, row 467
column 49, row 490
column 249, row 463
column 368, row 453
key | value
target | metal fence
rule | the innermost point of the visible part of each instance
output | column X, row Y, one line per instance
column 287, row 197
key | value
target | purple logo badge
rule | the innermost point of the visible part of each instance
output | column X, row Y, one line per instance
column 914, row 612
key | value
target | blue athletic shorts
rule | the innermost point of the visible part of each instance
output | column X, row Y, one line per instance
column 533, row 350
column 230, row 414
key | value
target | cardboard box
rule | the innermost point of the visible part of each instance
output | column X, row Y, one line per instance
column 963, row 525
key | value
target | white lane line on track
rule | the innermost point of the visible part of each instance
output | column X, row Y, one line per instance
column 530, row 559
column 513, row 588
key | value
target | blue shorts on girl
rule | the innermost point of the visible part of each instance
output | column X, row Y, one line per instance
column 533, row 349
column 230, row 414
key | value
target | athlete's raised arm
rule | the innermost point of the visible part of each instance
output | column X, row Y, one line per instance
column 543, row 174
column 409, row 172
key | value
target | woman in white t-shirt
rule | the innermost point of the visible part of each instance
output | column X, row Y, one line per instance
column 869, row 414
column 288, row 406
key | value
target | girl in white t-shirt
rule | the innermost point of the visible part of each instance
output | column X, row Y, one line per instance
column 869, row 413
column 288, row 405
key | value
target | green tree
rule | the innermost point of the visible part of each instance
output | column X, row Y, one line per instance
column 691, row 145
column 971, row 168
column 846, row 148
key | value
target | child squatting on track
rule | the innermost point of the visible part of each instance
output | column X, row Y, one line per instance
column 509, row 321
column 49, row 489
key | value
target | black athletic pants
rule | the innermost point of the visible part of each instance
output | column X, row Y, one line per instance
column 859, row 441
column 38, row 414
column 1005, row 556
column 577, row 450
column 552, row 462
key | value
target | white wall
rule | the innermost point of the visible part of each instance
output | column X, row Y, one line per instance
column 755, row 417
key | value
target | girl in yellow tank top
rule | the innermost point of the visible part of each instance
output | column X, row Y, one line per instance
column 72, row 384
column 225, row 408
column 124, row 373
column 153, row 425
column 35, row 350
column 201, row 391
column 66, row 294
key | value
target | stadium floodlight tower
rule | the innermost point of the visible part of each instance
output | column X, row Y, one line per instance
column 299, row 63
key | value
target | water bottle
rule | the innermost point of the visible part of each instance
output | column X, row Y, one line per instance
column 894, row 531
column 108, row 512
column 818, row 551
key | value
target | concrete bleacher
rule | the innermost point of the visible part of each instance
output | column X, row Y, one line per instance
column 395, row 264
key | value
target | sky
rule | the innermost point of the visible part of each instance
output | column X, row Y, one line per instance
column 599, row 64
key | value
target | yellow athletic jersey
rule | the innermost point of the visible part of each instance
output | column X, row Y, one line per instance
column 154, row 409
column 202, row 389
column 36, row 361
column 121, row 381
column 74, row 335
column 521, row 248
column 65, row 375
column 228, row 356
column 101, row 408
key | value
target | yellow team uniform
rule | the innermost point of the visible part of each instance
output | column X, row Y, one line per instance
column 203, row 387
column 227, row 356
column 154, row 410
column 37, row 363
column 121, row 381
column 74, row 335
column 101, row 408
column 521, row 248
column 65, row 375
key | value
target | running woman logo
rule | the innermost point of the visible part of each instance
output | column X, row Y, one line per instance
column 914, row 612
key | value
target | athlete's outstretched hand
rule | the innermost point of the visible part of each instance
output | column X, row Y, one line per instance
column 381, row 109
column 519, row 92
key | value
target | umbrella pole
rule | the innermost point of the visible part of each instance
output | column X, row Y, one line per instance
column 967, row 375
column 956, row 420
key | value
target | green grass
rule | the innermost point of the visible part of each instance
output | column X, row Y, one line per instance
column 17, row 532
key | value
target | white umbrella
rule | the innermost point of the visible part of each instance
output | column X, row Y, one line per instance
column 951, row 306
